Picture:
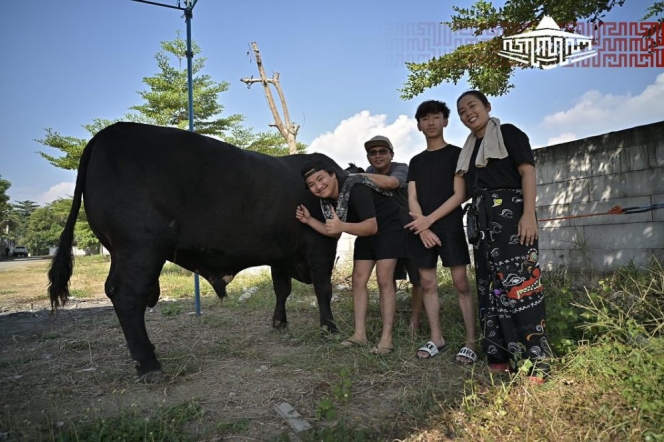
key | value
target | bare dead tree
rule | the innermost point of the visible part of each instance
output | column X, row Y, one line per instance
column 287, row 128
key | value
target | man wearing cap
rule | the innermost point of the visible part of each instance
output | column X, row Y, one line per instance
column 390, row 175
column 355, row 205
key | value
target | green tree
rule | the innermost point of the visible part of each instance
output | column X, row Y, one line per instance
column 269, row 143
column 5, row 210
column 72, row 147
column 19, row 218
column 43, row 228
column 167, row 100
column 4, row 198
column 487, row 70
column 167, row 104
column 42, row 231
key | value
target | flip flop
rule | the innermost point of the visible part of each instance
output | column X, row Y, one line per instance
column 431, row 348
column 381, row 350
column 350, row 343
column 467, row 353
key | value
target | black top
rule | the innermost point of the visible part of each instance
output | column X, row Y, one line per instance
column 433, row 174
column 503, row 173
column 365, row 203
column 400, row 172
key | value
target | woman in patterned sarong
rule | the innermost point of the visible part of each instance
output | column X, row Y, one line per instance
column 499, row 169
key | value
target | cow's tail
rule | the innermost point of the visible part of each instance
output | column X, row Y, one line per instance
column 62, row 265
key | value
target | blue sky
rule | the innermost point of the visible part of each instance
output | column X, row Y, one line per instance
column 66, row 62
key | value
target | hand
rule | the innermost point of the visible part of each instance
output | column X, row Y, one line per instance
column 302, row 214
column 430, row 239
column 419, row 224
column 528, row 229
column 333, row 226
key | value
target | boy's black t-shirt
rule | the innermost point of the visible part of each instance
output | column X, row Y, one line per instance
column 365, row 203
column 433, row 173
column 503, row 173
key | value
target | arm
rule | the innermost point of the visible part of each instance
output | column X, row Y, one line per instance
column 386, row 182
column 302, row 214
column 528, row 222
column 413, row 203
column 424, row 222
column 361, row 201
column 367, row 227
column 429, row 238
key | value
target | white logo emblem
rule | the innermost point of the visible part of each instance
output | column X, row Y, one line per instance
column 547, row 46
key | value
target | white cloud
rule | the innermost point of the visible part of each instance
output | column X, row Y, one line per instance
column 562, row 138
column 345, row 144
column 595, row 113
column 60, row 190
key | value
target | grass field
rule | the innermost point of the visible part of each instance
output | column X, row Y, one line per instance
column 69, row 377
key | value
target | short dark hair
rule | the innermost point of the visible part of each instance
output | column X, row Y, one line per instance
column 432, row 107
column 477, row 94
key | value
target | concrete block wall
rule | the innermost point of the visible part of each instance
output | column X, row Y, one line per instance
column 592, row 175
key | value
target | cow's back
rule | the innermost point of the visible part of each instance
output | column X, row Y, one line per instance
column 171, row 189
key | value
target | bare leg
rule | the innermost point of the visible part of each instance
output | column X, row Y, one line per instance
column 361, row 273
column 429, row 282
column 417, row 306
column 467, row 306
column 388, row 301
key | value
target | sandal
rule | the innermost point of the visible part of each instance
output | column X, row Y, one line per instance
column 350, row 343
column 381, row 350
column 468, row 354
column 431, row 348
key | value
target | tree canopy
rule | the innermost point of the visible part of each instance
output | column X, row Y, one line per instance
column 487, row 70
column 166, row 103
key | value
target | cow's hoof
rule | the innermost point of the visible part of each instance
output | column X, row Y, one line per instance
column 326, row 333
column 280, row 325
column 152, row 377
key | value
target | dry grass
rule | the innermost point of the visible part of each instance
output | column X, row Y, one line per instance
column 74, row 368
column 69, row 377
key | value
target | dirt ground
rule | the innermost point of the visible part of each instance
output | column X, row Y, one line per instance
column 66, row 371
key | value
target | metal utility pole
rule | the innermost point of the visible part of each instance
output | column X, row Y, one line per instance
column 188, row 14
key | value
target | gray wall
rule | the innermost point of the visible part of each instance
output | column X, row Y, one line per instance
column 592, row 175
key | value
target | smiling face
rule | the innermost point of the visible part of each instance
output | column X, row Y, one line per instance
column 323, row 184
column 380, row 157
column 473, row 113
column 432, row 124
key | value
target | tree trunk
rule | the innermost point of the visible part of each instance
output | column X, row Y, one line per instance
column 286, row 128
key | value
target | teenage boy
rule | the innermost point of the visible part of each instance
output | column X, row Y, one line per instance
column 435, row 195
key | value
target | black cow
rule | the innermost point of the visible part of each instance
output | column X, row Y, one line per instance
column 156, row 194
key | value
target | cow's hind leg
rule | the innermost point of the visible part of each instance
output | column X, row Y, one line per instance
column 281, row 281
column 132, row 284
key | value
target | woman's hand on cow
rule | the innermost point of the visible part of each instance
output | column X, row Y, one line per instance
column 333, row 226
column 302, row 214
column 430, row 239
column 528, row 229
column 419, row 224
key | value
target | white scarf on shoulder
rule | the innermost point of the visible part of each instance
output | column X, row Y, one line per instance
column 492, row 146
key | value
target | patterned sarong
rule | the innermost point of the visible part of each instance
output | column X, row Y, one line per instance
column 509, row 288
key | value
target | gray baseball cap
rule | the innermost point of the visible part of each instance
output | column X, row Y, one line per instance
column 378, row 141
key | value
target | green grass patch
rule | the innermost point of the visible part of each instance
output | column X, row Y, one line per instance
column 166, row 424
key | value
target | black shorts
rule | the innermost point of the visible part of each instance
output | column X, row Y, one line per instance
column 407, row 267
column 389, row 245
column 453, row 251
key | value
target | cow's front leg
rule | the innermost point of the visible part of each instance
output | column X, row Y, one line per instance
column 281, row 281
